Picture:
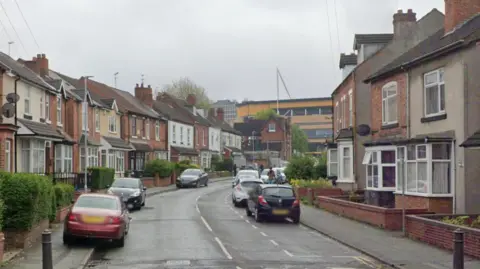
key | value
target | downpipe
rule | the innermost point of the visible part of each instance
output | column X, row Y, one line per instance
column 16, row 124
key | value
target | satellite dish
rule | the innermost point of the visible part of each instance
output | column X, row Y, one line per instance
column 363, row 130
column 12, row 97
column 8, row 110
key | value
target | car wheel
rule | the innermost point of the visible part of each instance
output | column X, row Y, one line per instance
column 206, row 183
column 257, row 216
column 178, row 187
column 120, row 243
column 144, row 200
column 197, row 185
column 68, row 239
column 295, row 220
column 249, row 213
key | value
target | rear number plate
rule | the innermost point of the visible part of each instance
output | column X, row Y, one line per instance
column 280, row 212
column 93, row 219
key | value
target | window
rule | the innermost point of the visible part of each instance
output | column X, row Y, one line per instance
column 157, row 130
column 42, row 111
column 47, row 107
column 341, row 111
column 120, row 161
column 332, row 162
column 33, row 156
column 203, row 138
column 84, row 116
column 434, row 87
column 63, row 158
column 197, row 137
column 346, row 163
column 188, row 137
column 97, row 120
column 174, row 134
column 344, row 112
column 381, row 168
column 92, row 156
column 8, row 156
column 112, row 124
column 271, row 128
column 389, row 103
column 350, row 108
column 181, row 134
column 27, row 101
column 337, row 116
column 147, row 129
column 161, row 155
column 133, row 123
column 59, row 110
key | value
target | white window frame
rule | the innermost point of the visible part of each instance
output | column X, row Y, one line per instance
column 366, row 161
column 112, row 124
column 27, row 109
column 341, row 157
column 133, row 121
column 92, row 153
column 330, row 162
column 59, row 110
column 174, row 134
column 337, row 114
column 188, row 137
column 34, row 151
column 385, row 105
column 97, row 120
column 47, row 107
column 63, row 158
column 42, row 111
column 272, row 127
column 85, row 116
column 157, row 130
column 350, row 108
column 440, row 75
column 429, row 161
column 8, row 156
column 203, row 138
column 181, row 135
column 147, row 128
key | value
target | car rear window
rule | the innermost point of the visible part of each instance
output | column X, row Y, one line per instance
column 132, row 183
column 97, row 202
column 278, row 192
column 249, row 173
column 250, row 184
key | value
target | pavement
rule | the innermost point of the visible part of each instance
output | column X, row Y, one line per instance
column 200, row 228
column 389, row 247
column 78, row 256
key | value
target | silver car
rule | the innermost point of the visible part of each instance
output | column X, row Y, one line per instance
column 241, row 189
column 244, row 173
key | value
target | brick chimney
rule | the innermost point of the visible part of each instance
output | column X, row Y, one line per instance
column 220, row 114
column 144, row 94
column 459, row 11
column 191, row 100
column 402, row 23
column 38, row 65
column 211, row 112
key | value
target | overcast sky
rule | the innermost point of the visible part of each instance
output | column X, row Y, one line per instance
column 230, row 47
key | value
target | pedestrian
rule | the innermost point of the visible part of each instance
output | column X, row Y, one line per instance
column 234, row 170
column 271, row 176
column 260, row 170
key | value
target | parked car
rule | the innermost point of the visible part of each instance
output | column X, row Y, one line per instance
column 242, row 186
column 244, row 173
column 279, row 175
column 130, row 190
column 94, row 215
column 192, row 178
column 268, row 201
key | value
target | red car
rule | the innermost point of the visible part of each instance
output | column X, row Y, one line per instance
column 101, row 216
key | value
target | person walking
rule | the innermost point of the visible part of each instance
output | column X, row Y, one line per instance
column 260, row 170
column 271, row 176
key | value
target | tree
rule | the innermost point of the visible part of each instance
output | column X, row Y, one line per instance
column 182, row 87
column 265, row 114
column 299, row 139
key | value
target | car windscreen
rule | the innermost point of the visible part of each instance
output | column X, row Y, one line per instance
column 278, row 192
column 97, row 202
column 250, row 184
column 191, row 172
column 247, row 173
column 126, row 183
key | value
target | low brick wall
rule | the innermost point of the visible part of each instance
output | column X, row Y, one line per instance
column 386, row 218
column 62, row 213
column 220, row 174
column 311, row 193
column 431, row 230
column 24, row 239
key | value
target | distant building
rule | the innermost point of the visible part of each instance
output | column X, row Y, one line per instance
column 313, row 115
column 229, row 108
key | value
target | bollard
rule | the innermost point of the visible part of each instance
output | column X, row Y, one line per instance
column 47, row 259
column 458, row 249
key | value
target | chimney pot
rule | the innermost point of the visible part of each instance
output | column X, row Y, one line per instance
column 148, row 86
column 399, row 11
column 39, row 56
column 43, row 55
column 410, row 10
column 142, row 85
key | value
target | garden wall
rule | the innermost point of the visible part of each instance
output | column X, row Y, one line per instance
column 431, row 230
column 311, row 193
column 386, row 218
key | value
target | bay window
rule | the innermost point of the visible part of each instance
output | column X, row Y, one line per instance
column 92, row 156
column 332, row 168
column 33, row 156
column 63, row 158
column 346, row 162
column 161, row 155
column 381, row 168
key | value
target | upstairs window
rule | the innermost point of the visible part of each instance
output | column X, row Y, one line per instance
column 188, row 137
column 27, row 101
column 147, row 129
column 97, row 120
column 112, row 124
column 133, row 123
column 157, row 130
column 59, row 110
column 47, row 107
column 434, row 89
column 271, row 128
column 174, row 134
column 181, row 135
column 350, row 108
column 389, row 103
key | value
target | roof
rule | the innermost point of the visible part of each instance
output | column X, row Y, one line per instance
column 247, row 128
column 90, row 141
column 472, row 141
column 21, row 70
column 141, row 147
column 434, row 46
column 275, row 185
column 41, row 129
column 350, row 59
column 186, row 151
column 69, row 88
column 169, row 111
column 363, row 39
column 117, row 142
column 282, row 101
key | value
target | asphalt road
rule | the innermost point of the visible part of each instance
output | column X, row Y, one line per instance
column 199, row 228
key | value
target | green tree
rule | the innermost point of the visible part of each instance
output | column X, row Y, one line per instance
column 265, row 114
column 299, row 139
column 182, row 87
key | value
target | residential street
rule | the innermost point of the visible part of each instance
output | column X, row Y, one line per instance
column 199, row 228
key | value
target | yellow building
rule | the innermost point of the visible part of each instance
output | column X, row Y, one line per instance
column 313, row 115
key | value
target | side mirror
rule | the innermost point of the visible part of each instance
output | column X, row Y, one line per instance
column 144, row 188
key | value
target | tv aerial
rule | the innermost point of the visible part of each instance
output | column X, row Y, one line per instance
column 8, row 109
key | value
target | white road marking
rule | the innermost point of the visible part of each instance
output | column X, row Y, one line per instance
column 288, row 253
column 264, row 234
column 254, row 227
column 241, row 216
column 238, row 267
column 347, row 257
column 273, row 242
column 225, row 251
column 367, row 263
column 303, row 227
column 198, row 199
column 206, row 224
column 247, row 221
column 197, row 208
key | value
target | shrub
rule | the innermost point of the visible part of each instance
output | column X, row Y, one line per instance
column 64, row 194
column 2, row 209
column 101, row 177
column 301, row 167
column 161, row 167
column 182, row 166
column 320, row 168
column 319, row 183
column 27, row 198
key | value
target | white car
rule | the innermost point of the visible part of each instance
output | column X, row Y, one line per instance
column 242, row 187
column 245, row 173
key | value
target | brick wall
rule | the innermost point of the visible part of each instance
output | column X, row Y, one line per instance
column 386, row 218
column 342, row 91
column 162, row 143
column 7, row 135
column 198, row 137
column 92, row 133
column 399, row 129
column 440, row 205
column 430, row 230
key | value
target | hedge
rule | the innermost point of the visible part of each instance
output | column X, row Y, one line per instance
column 64, row 194
column 161, row 167
column 2, row 209
column 101, row 177
column 184, row 165
column 28, row 200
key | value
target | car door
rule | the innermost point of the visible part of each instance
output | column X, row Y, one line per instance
column 204, row 177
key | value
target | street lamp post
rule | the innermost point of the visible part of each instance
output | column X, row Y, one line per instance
column 253, row 147
column 85, row 130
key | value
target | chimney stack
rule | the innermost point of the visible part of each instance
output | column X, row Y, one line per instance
column 191, row 100
column 459, row 11
column 211, row 112
column 144, row 94
column 402, row 22
column 220, row 114
column 38, row 64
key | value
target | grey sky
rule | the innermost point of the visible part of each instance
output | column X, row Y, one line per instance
column 231, row 47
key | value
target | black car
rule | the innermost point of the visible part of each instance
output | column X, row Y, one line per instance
column 130, row 190
column 268, row 201
column 192, row 178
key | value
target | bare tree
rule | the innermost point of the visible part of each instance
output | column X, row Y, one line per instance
column 182, row 87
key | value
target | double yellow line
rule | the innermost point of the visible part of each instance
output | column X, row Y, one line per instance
column 368, row 262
